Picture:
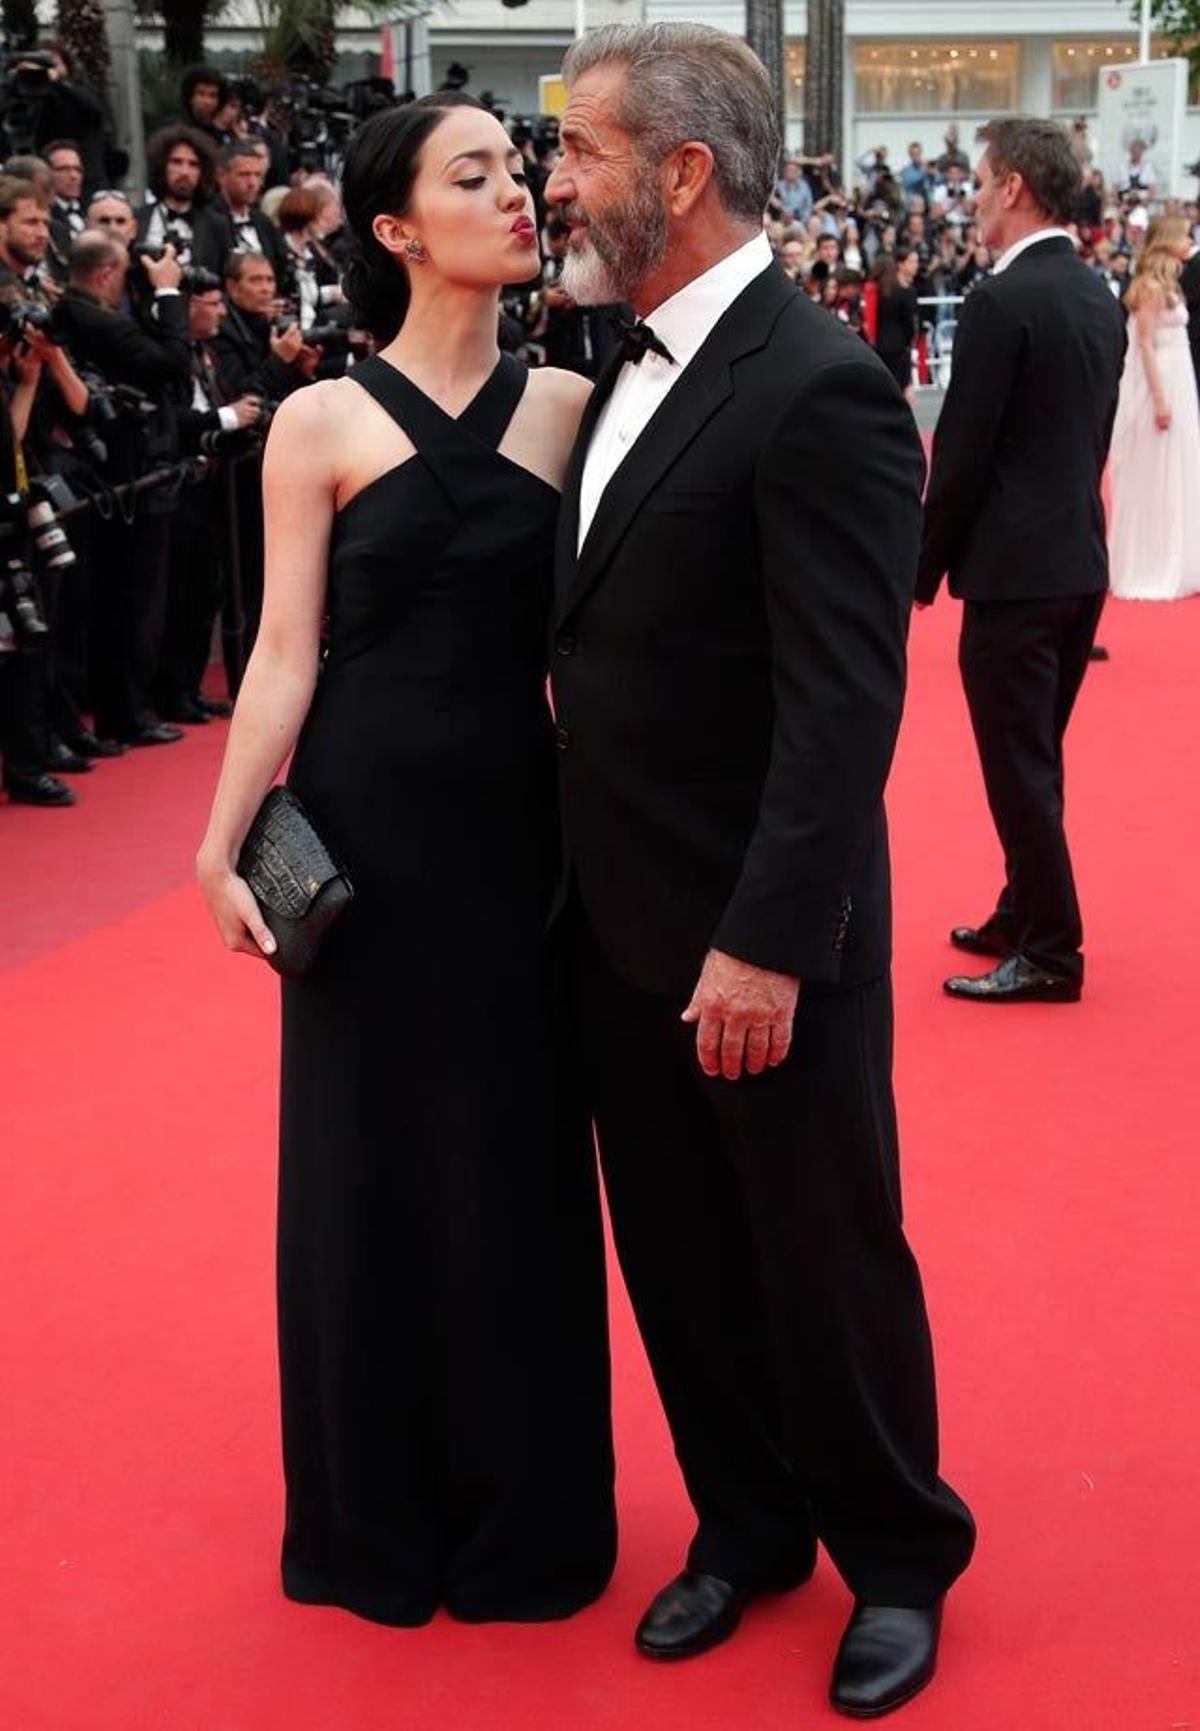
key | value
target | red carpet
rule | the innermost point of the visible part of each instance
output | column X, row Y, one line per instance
column 1051, row 1181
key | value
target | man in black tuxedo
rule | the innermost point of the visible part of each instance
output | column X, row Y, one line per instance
column 1014, row 515
column 737, row 552
column 1190, row 284
column 237, row 223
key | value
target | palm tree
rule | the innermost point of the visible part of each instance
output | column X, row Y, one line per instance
column 823, row 82
column 764, row 33
column 81, row 27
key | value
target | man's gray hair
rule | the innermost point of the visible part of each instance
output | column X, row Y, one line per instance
column 690, row 82
column 92, row 251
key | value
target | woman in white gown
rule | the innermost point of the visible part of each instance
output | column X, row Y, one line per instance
column 1154, row 530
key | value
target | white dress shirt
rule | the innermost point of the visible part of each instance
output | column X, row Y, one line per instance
column 684, row 323
column 1022, row 245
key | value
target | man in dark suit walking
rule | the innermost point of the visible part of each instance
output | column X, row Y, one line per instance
column 736, row 560
column 1014, row 515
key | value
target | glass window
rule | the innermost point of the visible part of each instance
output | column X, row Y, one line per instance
column 797, row 59
column 1077, row 69
column 936, row 77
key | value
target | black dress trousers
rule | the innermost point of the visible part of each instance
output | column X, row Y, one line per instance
column 1022, row 665
column 759, row 1229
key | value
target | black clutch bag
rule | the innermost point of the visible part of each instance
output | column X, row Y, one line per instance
column 297, row 883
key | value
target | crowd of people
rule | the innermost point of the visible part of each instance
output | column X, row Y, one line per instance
column 895, row 253
column 145, row 342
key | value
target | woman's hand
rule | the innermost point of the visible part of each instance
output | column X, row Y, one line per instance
column 232, row 905
column 1162, row 417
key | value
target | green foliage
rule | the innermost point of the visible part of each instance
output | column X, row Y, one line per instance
column 1179, row 21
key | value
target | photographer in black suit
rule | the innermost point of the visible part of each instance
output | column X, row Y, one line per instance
column 737, row 552
column 1014, row 515
column 145, row 363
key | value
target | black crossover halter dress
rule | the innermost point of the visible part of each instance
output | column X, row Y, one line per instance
column 441, row 1289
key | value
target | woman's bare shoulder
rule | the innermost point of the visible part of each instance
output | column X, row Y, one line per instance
column 563, row 393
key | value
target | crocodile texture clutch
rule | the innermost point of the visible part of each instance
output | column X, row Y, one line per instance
column 297, row 883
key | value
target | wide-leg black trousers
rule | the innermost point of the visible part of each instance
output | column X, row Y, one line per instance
column 758, row 1224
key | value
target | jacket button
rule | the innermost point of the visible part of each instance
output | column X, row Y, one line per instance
column 561, row 737
column 565, row 644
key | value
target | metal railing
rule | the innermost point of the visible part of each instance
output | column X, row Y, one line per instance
column 938, row 327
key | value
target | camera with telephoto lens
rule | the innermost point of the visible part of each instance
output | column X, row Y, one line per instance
column 19, row 597
column 48, row 495
column 193, row 278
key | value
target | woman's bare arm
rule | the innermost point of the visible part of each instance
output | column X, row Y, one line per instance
column 1146, row 318
column 298, row 496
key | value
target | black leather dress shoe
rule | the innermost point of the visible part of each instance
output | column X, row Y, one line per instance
column 888, row 1654
column 1098, row 652
column 38, row 789
column 218, row 706
column 187, row 710
column 161, row 733
column 86, row 744
column 1016, row 981
column 63, row 761
column 692, row 1613
column 989, row 939
column 696, row 1611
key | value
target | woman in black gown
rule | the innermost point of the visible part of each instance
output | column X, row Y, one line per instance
column 898, row 317
column 441, row 1296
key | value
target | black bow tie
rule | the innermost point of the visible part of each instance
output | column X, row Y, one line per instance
column 637, row 338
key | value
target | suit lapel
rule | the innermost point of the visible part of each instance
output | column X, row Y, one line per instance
column 706, row 384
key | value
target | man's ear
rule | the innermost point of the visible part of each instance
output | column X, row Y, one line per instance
column 689, row 172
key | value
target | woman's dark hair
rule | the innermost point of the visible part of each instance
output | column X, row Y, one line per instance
column 167, row 139
column 377, row 179
column 884, row 276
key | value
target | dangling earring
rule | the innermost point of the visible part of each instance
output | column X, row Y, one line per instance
column 414, row 252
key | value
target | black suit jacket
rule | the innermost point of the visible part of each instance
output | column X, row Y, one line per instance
column 729, row 656
column 1190, row 283
column 218, row 238
column 246, row 364
column 121, row 349
column 1013, row 510
column 207, row 234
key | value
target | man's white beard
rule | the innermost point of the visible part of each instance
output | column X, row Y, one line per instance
column 586, row 277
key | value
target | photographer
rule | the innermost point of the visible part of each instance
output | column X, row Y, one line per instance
column 238, row 223
column 256, row 359
column 221, row 431
column 181, row 163
column 24, row 636
column 253, row 357
column 65, row 163
column 310, row 280
column 50, row 105
column 58, row 398
column 204, row 93
column 136, row 367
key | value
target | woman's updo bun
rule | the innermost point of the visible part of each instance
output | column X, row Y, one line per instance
column 377, row 179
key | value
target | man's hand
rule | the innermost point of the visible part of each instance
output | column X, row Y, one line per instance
column 165, row 272
column 287, row 344
column 248, row 411
column 309, row 361
column 557, row 299
column 744, row 1016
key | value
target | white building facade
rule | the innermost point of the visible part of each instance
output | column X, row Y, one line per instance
column 911, row 67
